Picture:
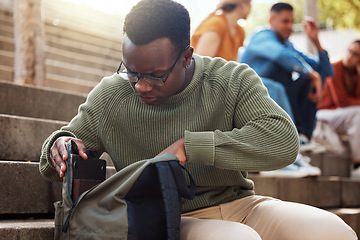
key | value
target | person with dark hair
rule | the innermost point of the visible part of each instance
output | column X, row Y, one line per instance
column 220, row 35
column 214, row 115
column 273, row 56
column 340, row 104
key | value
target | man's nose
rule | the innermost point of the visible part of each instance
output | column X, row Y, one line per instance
column 143, row 86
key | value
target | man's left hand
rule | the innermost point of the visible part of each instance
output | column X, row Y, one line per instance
column 177, row 148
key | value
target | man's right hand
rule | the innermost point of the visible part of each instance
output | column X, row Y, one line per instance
column 58, row 153
column 315, row 87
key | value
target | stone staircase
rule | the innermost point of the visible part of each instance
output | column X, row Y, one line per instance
column 26, row 209
column 79, row 51
column 29, row 114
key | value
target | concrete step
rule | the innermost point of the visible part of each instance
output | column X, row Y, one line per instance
column 81, row 59
column 6, row 73
column 29, row 192
column 76, row 71
column 6, row 58
column 39, row 229
column 83, row 48
column 7, row 43
column 75, row 85
column 5, row 30
column 38, row 102
column 6, row 19
column 22, row 137
column 82, row 36
column 24, row 191
column 351, row 216
column 330, row 163
column 6, row 7
column 323, row 192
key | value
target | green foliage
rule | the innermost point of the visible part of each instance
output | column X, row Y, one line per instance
column 340, row 13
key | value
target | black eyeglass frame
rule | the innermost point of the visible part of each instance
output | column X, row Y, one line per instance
column 160, row 79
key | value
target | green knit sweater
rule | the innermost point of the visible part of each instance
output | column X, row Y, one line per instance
column 230, row 124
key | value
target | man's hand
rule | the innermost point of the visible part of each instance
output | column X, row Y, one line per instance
column 177, row 148
column 312, row 31
column 58, row 153
column 315, row 87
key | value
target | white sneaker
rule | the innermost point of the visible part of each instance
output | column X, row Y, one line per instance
column 355, row 173
column 300, row 168
column 312, row 147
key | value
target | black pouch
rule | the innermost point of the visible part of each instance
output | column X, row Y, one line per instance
column 83, row 174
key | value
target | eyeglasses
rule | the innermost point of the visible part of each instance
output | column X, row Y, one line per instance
column 155, row 81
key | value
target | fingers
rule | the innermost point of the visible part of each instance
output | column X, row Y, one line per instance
column 81, row 148
column 315, row 94
column 59, row 154
column 177, row 148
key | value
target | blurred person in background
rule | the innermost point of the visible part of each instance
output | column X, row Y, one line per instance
column 273, row 56
column 340, row 104
column 290, row 76
column 220, row 35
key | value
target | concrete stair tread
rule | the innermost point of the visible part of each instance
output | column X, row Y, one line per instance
column 6, row 58
column 41, row 229
column 80, row 59
column 7, row 31
column 6, row 68
column 6, row 73
column 22, row 137
column 76, row 46
column 324, row 192
column 351, row 216
column 6, row 20
column 27, row 223
column 7, row 39
column 6, row 9
column 76, row 71
column 13, row 96
column 69, row 84
column 29, row 192
column 6, row 43
column 82, row 36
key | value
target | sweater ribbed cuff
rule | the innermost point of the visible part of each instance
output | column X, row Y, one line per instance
column 200, row 147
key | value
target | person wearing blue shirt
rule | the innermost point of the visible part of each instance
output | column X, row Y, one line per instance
column 274, row 58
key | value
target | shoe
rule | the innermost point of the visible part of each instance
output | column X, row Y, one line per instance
column 303, row 139
column 312, row 147
column 355, row 173
column 300, row 168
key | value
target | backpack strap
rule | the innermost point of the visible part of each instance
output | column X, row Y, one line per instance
column 184, row 190
column 173, row 186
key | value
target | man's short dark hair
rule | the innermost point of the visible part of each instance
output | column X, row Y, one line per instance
column 278, row 7
column 153, row 19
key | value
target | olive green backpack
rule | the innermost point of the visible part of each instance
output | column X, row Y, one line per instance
column 140, row 202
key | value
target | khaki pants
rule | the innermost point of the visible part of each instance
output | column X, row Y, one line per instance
column 258, row 217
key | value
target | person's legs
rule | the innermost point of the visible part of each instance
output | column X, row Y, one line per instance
column 345, row 121
column 281, row 220
column 209, row 229
column 303, row 109
column 269, row 217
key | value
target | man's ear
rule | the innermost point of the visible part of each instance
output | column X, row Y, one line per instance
column 188, row 56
